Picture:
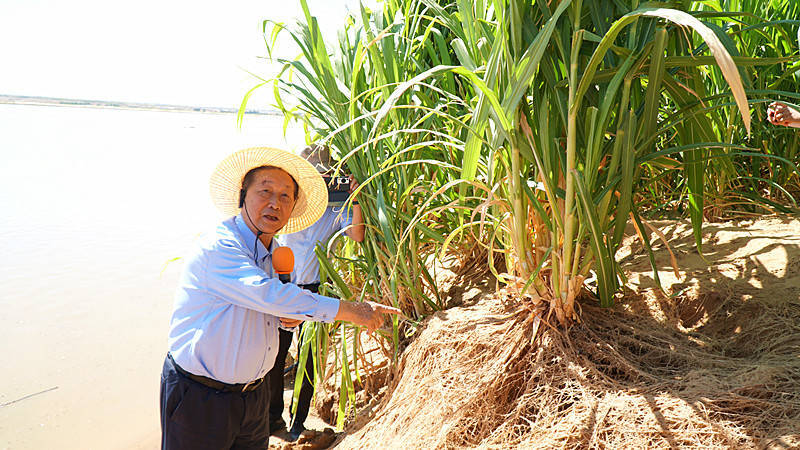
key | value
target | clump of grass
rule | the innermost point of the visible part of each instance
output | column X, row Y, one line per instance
column 533, row 130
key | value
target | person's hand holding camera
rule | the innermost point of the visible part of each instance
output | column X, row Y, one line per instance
column 353, row 187
column 357, row 231
column 782, row 114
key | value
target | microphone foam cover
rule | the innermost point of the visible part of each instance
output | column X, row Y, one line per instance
column 283, row 260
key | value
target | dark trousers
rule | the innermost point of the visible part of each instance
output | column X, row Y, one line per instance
column 194, row 416
column 276, row 380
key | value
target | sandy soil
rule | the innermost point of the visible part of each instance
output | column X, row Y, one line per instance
column 747, row 268
column 746, row 259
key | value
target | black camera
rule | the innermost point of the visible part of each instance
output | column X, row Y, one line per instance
column 338, row 189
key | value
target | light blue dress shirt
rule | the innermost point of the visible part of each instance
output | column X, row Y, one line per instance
column 302, row 243
column 224, row 324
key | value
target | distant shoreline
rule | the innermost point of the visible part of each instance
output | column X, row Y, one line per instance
column 83, row 103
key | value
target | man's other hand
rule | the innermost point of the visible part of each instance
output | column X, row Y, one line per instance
column 353, row 184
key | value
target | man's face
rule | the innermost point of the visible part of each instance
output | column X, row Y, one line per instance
column 269, row 200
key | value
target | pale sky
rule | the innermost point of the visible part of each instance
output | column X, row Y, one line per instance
column 160, row 51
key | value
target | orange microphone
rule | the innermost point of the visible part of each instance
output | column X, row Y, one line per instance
column 283, row 263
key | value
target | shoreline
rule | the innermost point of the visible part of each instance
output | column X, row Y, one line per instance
column 131, row 106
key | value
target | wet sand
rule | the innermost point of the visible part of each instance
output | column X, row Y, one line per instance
column 98, row 362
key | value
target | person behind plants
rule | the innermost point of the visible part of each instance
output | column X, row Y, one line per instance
column 223, row 334
column 306, row 275
column 782, row 114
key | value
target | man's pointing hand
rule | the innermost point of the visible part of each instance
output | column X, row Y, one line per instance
column 366, row 314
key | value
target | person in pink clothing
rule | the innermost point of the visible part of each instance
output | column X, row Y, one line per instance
column 782, row 114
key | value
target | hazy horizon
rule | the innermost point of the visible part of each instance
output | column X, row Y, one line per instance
column 181, row 52
column 122, row 102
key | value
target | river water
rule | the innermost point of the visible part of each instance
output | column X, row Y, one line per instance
column 94, row 204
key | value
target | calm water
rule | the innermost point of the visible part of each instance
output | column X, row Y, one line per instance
column 94, row 204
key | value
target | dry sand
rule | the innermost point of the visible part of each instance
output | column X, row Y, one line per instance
column 713, row 367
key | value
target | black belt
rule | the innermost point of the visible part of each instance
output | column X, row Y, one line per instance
column 313, row 287
column 217, row 385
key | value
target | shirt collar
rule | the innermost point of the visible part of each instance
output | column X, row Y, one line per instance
column 250, row 237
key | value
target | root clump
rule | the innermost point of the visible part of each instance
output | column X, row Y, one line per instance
column 716, row 366
column 477, row 377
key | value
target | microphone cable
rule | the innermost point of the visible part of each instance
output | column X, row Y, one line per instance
column 258, row 234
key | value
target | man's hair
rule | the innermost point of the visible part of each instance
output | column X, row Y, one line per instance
column 248, row 178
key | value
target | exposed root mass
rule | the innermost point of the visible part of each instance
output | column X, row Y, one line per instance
column 492, row 375
column 474, row 378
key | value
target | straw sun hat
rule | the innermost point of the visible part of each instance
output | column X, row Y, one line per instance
column 312, row 197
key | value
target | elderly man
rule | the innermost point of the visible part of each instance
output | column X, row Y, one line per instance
column 306, row 275
column 223, row 335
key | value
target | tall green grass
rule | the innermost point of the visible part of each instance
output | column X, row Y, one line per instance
column 536, row 131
